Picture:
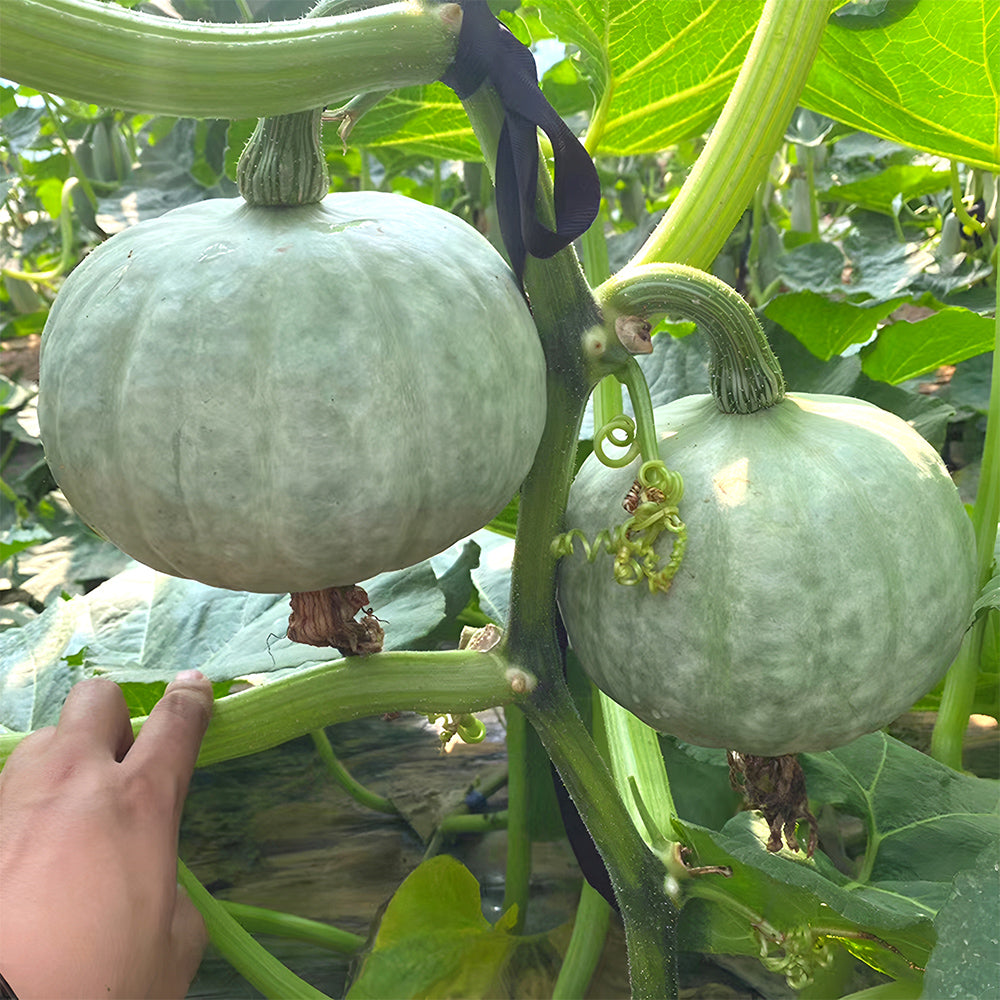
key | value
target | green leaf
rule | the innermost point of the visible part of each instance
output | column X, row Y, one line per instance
column 419, row 121
column 905, row 350
column 141, row 698
column 989, row 597
column 966, row 961
column 881, row 192
column 433, row 940
column 925, row 823
column 669, row 66
column 927, row 80
column 793, row 904
column 825, row 326
column 144, row 626
column 18, row 539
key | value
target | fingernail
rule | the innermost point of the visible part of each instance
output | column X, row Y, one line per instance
column 190, row 675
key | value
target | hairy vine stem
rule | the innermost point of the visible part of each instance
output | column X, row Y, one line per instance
column 262, row 717
column 565, row 311
column 102, row 53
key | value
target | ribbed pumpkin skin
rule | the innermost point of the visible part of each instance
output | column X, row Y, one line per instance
column 828, row 579
column 290, row 399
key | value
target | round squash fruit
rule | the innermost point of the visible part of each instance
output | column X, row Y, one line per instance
column 289, row 399
column 828, row 578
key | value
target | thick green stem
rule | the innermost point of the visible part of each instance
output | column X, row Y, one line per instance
column 456, row 681
column 566, row 314
column 744, row 373
column 517, row 874
column 648, row 914
column 251, row 960
column 633, row 751
column 590, row 928
column 102, row 53
column 258, row 920
column 632, row 378
column 960, row 683
column 475, row 823
column 752, row 125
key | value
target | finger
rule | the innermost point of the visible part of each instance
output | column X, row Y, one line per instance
column 25, row 757
column 167, row 746
column 94, row 719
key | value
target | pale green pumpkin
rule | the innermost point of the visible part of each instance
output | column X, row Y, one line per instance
column 827, row 582
column 286, row 399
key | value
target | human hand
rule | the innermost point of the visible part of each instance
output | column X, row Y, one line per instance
column 89, row 901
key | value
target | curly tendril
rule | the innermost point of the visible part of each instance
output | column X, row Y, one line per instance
column 652, row 503
column 619, row 431
column 468, row 728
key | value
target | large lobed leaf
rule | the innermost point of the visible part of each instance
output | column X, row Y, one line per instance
column 143, row 627
column 926, row 75
column 929, row 79
column 931, row 846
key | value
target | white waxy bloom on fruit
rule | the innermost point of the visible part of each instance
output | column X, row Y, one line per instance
column 291, row 398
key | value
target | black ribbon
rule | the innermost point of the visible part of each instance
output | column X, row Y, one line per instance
column 487, row 50
column 6, row 991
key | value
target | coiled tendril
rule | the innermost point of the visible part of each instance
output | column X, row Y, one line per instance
column 652, row 503
column 619, row 431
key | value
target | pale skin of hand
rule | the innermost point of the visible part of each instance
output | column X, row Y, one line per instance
column 89, row 901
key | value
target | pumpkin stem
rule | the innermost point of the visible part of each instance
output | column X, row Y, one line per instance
column 744, row 374
column 777, row 787
column 284, row 162
column 326, row 618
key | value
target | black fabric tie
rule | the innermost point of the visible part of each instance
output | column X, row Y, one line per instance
column 487, row 50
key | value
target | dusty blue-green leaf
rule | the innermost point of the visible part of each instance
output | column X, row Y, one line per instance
column 828, row 326
column 928, row 80
column 817, row 267
column 35, row 675
column 21, row 128
column 904, row 350
column 454, row 573
column 879, row 264
column 969, row 388
column 926, row 414
column 965, row 963
column 144, row 626
column 12, row 395
column 926, row 822
column 676, row 368
column 804, row 372
column 73, row 560
column 492, row 575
